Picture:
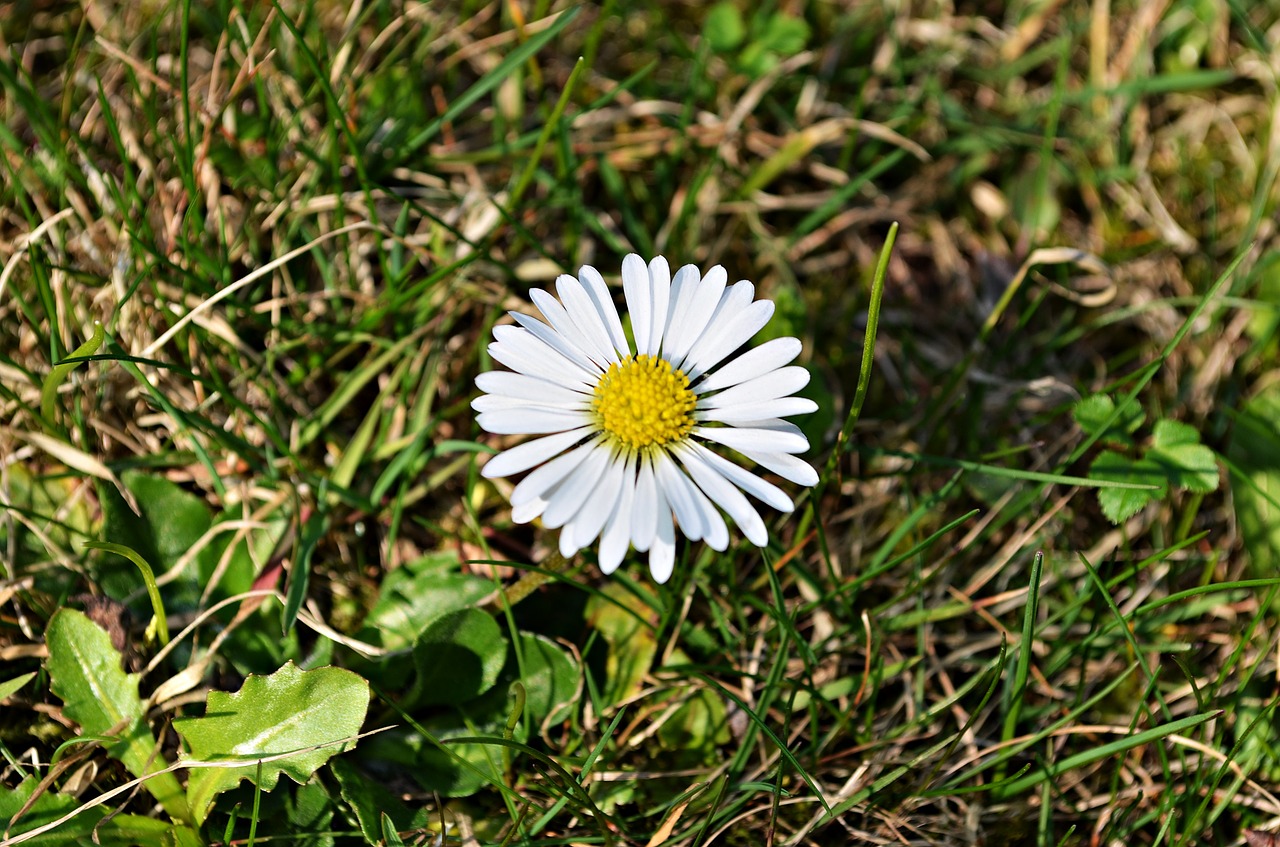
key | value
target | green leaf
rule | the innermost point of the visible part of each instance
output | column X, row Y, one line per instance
column 85, row 672
column 11, row 686
column 552, row 679
column 1188, row 464
column 371, row 801
column 48, row 808
column 724, row 29
column 303, row 717
column 460, row 770
column 170, row 523
column 1092, row 414
column 60, row 371
column 1120, row 504
column 415, row 595
column 1255, row 490
column 458, row 658
column 627, row 625
column 784, row 34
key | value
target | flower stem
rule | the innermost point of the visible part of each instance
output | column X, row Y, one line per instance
column 532, row 580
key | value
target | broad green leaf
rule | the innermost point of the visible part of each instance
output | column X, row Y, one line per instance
column 371, row 801
column 697, row 728
column 415, row 595
column 47, row 809
column 435, row 769
column 235, row 570
column 85, row 671
column 724, row 28
column 627, row 625
column 552, row 679
column 458, row 658
column 305, row 717
column 1255, row 453
column 784, row 34
column 172, row 521
column 1188, row 464
column 1120, row 504
column 1093, row 412
column 62, row 519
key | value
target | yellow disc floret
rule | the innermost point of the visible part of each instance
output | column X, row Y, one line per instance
column 643, row 402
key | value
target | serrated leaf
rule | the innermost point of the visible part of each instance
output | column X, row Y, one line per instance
column 1120, row 504
column 1187, row 463
column 1093, row 412
column 724, row 28
column 296, row 714
column 458, row 658
column 85, row 672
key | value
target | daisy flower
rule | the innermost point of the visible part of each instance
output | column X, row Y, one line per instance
column 625, row 433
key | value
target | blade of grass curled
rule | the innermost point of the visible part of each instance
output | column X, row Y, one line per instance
column 60, row 371
column 148, row 578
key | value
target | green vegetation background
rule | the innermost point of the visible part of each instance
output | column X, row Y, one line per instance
column 1032, row 601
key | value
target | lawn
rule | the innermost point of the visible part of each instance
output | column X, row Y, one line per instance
column 257, row 587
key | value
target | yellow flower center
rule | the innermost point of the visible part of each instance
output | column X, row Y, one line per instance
column 644, row 402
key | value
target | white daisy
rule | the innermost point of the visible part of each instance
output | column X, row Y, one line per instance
column 623, row 453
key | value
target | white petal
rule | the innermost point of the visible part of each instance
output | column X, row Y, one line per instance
column 617, row 533
column 541, row 480
column 701, row 303
column 636, row 288
column 726, row 496
column 603, row 301
column 579, row 306
column 770, row 386
column 662, row 554
column 526, row 512
column 762, row 490
column 565, row 502
column 531, row 420
column 499, row 403
column 599, row 505
column 777, row 408
column 759, row 360
column 683, row 286
column 522, row 351
column 788, row 467
column 535, row 452
column 645, row 507
column 660, row 292
column 736, row 332
column 562, row 334
column 735, row 299
column 509, row 384
column 672, row 481
column 765, row 440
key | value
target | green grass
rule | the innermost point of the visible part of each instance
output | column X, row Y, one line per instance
column 297, row 226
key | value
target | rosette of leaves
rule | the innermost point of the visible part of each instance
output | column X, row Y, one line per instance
column 1171, row 459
